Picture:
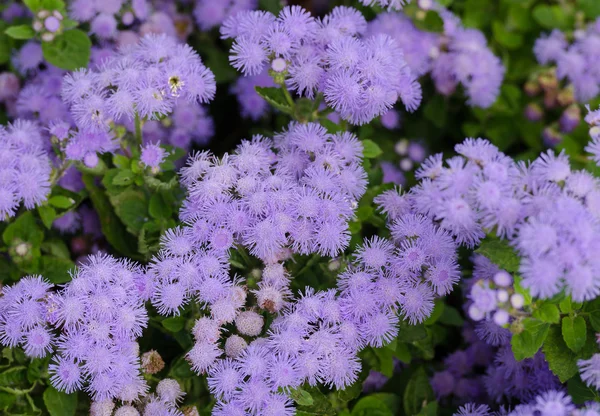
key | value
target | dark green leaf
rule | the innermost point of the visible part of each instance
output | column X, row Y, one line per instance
column 574, row 332
column 547, row 312
column 174, row 323
column 431, row 22
column 580, row 392
column 112, row 228
column 526, row 343
column 20, row 32
column 59, row 403
column 275, row 97
column 370, row 149
column 385, row 357
column 273, row 6
column 131, row 207
column 593, row 308
column 411, row 333
column 418, row 392
column 33, row 5
column 437, row 312
column 370, row 406
column 24, row 228
column 69, row 51
column 14, row 377
column 181, row 369
column 451, row 316
column 499, row 253
column 158, row 207
column 56, row 269
column 436, row 111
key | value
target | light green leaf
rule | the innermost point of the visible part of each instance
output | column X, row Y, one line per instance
column 20, row 32
column 499, row 253
column 123, row 178
column 69, row 51
column 60, row 201
column 526, row 343
column 47, row 215
column 547, row 312
column 301, row 397
column 574, row 332
column 174, row 323
column 371, row 149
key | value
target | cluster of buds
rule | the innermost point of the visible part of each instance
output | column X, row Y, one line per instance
column 554, row 97
column 495, row 300
column 48, row 24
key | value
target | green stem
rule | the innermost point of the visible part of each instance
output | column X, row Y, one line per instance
column 138, row 130
column 60, row 171
column 288, row 97
column 18, row 392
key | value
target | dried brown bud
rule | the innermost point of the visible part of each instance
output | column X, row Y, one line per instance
column 152, row 362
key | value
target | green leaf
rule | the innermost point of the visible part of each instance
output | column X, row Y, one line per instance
column 56, row 269
column 24, row 228
column 47, row 215
column 131, row 207
column 112, row 228
column 593, row 308
column 506, row 38
column 436, row 111
column 273, row 6
column 60, row 201
column 174, row 323
column 123, row 178
column 59, row 403
column 561, row 360
column 553, row 17
column 181, row 369
column 591, row 8
column 385, row 356
column 56, row 247
column 158, row 207
column 53, row 4
column 566, row 305
column 417, row 393
column 371, row 149
column 411, row 333
column 13, row 377
column 526, row 343
column 580, row 392
column 430, row 410
column 33, row 5
column 302, row 397
column 451, row 316
column 370, row 406
column 20, row 32
column 69, row 51
column 437, row 312
column 499, row 253
column 431, row 22
column 574, row 332
column 275, row 97
column 547, row 312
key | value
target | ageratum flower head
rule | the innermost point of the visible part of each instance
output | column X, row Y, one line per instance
column 210, row 14
column 25, row 167
column 360, row 77
column 575, row 62
column 146, row 80
column 99, row 314
column 457, row 56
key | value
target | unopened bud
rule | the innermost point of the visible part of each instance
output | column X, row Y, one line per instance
column 533, row 112
column 235, row 345
column 152, row 362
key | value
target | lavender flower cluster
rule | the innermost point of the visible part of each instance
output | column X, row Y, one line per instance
column 26, row 169
column 546, row 210
column 211, row 14
column 93, row 322
column 360, row 77
column 457, row 56
column 574, row 62
column 145, row 81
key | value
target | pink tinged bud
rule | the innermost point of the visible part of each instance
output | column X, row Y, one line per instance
column 52, row 24
column 127, row 18
column 501, row 317
column 406, row 164
column 235, row 345
column 475, row 314
column 570, row 118
column 503, row 278
column 37, row 26
column 48, row 37
column 533, row 112
column 517, row 301
column 90, row 160
column 502, row 296
column 278, row 65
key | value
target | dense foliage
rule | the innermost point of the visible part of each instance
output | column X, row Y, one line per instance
column 334, row 207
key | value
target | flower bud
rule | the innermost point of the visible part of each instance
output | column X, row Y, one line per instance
column 152, row 362
column 234, row 346
column 517, row 301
